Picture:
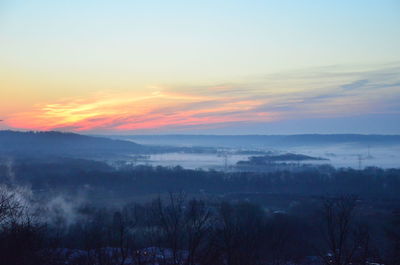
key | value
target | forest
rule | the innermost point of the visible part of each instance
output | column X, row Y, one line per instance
column 78, row 211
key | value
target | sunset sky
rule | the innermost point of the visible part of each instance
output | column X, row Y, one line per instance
column 231, row 67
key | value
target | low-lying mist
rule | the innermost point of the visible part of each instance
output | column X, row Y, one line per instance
column 198, row 205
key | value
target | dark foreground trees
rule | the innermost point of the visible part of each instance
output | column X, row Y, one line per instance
column 393, row 240
column 346, row 240
column 179, row 230
column 242, row 217
column 20, row 234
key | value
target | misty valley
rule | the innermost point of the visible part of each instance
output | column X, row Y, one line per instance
column 224, row 152
column 74, row 199
column 167, row 132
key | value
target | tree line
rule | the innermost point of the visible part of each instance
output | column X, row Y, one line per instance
column 177, row 230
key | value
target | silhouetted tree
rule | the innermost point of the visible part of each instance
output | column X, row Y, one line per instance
column 347, row 242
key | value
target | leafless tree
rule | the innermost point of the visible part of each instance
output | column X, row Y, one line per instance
column 9, row 204
column 342, row 236
column 20, row 232
column 170, row 219
column 393, row 241
column 122, row 231
column 198, row 217
column 241, row 232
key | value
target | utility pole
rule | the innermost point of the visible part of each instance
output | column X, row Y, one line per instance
column 226, row 162
column 360, row 159
column 224, row 155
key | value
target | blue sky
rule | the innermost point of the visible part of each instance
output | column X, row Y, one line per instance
column 245, row 65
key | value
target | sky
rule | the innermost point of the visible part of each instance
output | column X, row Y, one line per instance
column 200, row 67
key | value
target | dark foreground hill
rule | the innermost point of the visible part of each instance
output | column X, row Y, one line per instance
column 65, row 144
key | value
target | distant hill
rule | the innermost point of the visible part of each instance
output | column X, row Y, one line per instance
column 77, row 145
column 64, row 144
column 254, row 141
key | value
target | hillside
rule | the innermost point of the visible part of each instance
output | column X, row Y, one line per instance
column 64, row 144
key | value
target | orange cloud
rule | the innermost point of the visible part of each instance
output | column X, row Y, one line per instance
column 132, row 112
column 287, row 96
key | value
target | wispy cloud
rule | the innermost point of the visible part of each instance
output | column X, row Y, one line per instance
column 131, row 112
column 323, row 92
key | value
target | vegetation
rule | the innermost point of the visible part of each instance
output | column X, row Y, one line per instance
column 77, row 212
column 56, row 208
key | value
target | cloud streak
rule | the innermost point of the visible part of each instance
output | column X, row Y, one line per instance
column 131, row 112
column 319, row 93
